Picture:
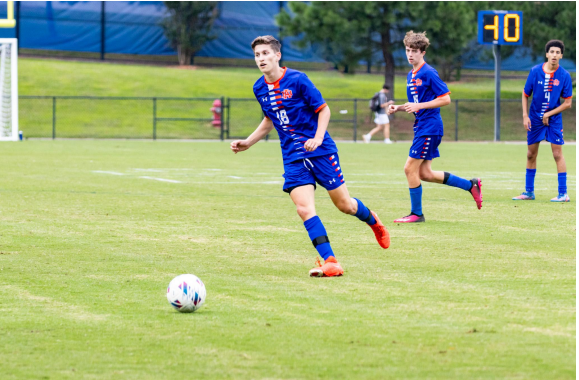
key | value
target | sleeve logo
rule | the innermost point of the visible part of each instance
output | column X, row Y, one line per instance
column 286, row 94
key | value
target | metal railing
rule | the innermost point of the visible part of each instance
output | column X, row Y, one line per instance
column 191, row 118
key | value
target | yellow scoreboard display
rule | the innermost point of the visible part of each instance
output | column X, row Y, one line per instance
column 500, row 28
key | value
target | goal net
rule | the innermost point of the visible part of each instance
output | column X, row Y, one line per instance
column 8, row 89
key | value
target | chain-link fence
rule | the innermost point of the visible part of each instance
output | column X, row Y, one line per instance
column 193, row 118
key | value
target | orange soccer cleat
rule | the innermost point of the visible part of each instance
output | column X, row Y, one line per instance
column 330, row 268
column 381, row 233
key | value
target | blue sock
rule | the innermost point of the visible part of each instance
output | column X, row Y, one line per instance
column 416, row 200
column 319, row 237
column 530, row 180
column 562, row 177
column 452, row 180
column 364, row 213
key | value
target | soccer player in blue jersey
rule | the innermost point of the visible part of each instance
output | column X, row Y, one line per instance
column 426, row 94
column 295, row 108
column 547, row 83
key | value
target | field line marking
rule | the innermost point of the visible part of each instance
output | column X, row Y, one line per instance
column 161, row 179
column 105, row 172
column 235, row 177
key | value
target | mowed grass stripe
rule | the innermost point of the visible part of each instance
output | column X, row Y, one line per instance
column 86, row 258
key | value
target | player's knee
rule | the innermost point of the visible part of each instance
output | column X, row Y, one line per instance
column 426, row 176
column 558, row 156
column 305, row 212
column 531, row 156
column 407, row 170
column 346, row 207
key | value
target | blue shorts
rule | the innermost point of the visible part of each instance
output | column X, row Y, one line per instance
column 425, row 147
column 324, row 170
column 538, row 133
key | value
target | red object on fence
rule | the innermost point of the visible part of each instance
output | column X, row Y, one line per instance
column 216, row 109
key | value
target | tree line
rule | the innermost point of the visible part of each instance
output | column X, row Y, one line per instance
column 345, row 33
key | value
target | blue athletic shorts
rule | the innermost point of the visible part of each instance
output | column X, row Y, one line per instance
column 538, row 133
column 425, row 147
column 324, row 170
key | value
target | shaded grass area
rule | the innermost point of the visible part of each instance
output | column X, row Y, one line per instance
column 91, row 237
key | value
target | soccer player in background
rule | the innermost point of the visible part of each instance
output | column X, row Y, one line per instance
column 548, row 82
column 426, row 94
column 295, row 107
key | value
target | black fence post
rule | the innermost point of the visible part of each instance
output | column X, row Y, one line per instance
column 221, row 121
column 53, row 117
column 154, row 118
column 456, row 120
column 103, row 47
column 228, row 114
column 17, row 17
column 355, row 119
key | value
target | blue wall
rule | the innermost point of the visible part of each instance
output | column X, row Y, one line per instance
column 132, row 27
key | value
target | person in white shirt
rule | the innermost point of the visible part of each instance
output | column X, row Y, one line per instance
column 381, row 119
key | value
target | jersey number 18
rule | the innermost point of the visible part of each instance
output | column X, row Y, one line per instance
column 282, row 117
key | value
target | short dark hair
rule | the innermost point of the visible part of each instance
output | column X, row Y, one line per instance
column 267, row 40
column 385, row 86
column 555, row 43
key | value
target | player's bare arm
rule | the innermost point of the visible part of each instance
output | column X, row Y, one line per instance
column 392, row 108
column 436, row 103
column 323, row 121
column 566, row 105
column 260, row 132
column 526, row 119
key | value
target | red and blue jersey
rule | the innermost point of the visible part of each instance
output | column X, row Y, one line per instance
column 292, row 103
column 424, row 85
column 547, row 89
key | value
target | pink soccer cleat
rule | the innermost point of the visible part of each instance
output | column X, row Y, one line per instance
column 412, row 218
column 526, row 196
column 476, row 192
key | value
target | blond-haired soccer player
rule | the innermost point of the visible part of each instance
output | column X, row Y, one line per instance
column 294, row 106
column 426, row 94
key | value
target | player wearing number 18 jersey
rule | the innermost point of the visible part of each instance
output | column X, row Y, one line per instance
column 426, row 94
column 294, row 106
column 547, row 83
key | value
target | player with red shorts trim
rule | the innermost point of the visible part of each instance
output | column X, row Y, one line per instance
column 426, row 94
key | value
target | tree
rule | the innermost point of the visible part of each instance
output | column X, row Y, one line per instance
column 449, row 26
column 544, row 21
column 188, row 27
column 346, row 32
column 329, row 28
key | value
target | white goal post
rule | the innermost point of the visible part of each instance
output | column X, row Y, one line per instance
column 8, row 89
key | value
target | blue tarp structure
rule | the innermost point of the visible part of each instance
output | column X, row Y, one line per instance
column 132, row 27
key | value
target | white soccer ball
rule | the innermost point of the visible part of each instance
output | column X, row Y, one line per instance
column 186, row 293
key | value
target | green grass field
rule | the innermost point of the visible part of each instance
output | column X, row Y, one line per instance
column 37, row 77
column 91, row 237
column 78, row 118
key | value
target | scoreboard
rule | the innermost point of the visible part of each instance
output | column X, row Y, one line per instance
column 500, row 28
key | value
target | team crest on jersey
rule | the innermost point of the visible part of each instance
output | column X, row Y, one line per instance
column 286, row 94
column 556, row 82
column 419, row 82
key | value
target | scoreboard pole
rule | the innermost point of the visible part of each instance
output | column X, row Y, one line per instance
column 499, row 28
column 497, row 54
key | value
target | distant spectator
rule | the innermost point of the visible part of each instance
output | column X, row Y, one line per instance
column 381, row 119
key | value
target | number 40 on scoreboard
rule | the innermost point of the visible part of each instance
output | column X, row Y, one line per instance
column 500, row 28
